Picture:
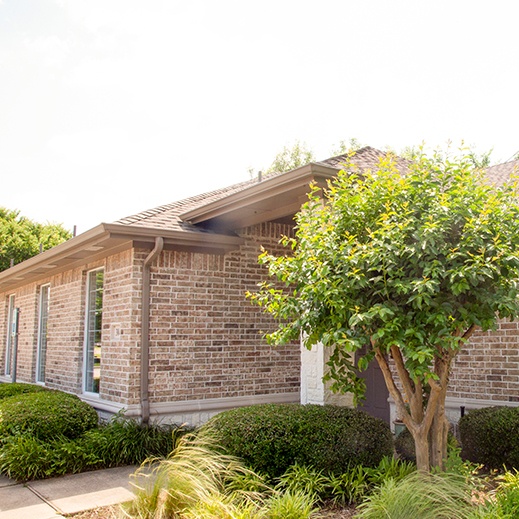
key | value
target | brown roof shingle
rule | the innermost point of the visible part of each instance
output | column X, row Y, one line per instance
column 501, row 173
column 168, row 216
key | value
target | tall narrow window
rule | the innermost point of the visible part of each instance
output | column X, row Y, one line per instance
column 42, row 334
column 93, row 328
column 10, row 336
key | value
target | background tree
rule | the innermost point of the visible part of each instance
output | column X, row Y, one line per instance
column 291, row 157
column 403, row 267
column 347, row 147
column 20, row 237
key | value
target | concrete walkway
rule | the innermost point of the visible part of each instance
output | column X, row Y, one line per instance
column 49, row 498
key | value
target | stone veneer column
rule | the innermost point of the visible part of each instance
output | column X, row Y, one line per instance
column 312, row 370
column 313, row 389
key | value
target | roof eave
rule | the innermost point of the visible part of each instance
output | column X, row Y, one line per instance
column 257, row 193
column 104, row 240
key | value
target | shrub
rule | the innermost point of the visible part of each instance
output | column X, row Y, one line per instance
column 120, row 442
column 491, row 436
column 45, row 415
column 124, row 441
column 24, row 457
column 17, row 388
column 272, row 437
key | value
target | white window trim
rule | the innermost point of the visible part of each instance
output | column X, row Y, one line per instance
column 90, row 394
column 38, row 344
column 9, row 338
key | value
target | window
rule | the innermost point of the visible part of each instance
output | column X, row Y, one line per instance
column 93, row 328
column 42, row 333
column 10, row 336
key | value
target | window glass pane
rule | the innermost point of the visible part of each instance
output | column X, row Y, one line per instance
column 9, row 342
column 93, row 332
column 42, row 333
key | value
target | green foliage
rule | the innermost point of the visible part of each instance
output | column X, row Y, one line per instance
column 345, row 147
column 350, row 486
column 400, row 264
column 124, row 441
column 24, row 457
column 409, row 261
column 191, row 483
column 291, row 158
column 270, row 437
column 20, row 237
column 120, row 442
column 389, row 468
column 304, row 480
column 18, row 388
column 45, row 415
column 292, row 504
column 420, row 496
column 490, row 436
column 506, row 498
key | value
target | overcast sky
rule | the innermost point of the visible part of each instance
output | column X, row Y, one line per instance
column 111, row 107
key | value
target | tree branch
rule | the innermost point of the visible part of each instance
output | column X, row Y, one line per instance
column 403, row 374
column 395, row 393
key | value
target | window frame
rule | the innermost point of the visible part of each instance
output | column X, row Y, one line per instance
column 11, row 302
column 89, row 343
column 43, row 318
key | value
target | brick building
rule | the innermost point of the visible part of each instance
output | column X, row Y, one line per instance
column 148, row 314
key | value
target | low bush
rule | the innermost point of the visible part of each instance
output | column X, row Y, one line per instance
column 119, row 442
column 490, row 436
column 272, row 437
column 24, row 458
column 45, row 415
column 18, row 388
column 124, row 441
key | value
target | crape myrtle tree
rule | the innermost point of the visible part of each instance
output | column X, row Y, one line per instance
column 402, row 266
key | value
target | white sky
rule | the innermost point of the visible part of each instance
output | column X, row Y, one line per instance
column 111, row 107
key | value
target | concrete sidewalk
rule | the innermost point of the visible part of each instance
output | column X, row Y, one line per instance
column 49, row 498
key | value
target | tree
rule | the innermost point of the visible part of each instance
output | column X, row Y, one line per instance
column 20, row 237
column 291, row 158
column 403, row 267
column 345, row 147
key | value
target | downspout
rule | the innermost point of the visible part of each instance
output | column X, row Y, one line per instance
column 145, row 329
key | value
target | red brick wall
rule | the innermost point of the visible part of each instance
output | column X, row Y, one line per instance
column 488, row 366
column 65, row 332
column 206, row 338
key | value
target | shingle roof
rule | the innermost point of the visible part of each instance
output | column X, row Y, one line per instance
column 365, row 158
column 167, row 216
column 501, row 173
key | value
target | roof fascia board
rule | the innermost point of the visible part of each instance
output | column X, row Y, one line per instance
column 260, row 191
column 104, row 240
column 173, row 238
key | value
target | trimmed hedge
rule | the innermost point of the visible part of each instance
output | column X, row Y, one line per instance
column 46, row 415
column 272, row 437
column 17, row 388
column 490, row 436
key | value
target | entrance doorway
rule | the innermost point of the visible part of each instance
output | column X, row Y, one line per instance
column 376, row 401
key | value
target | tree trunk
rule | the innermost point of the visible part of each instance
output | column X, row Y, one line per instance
column 421, row 443
column 438, row 436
